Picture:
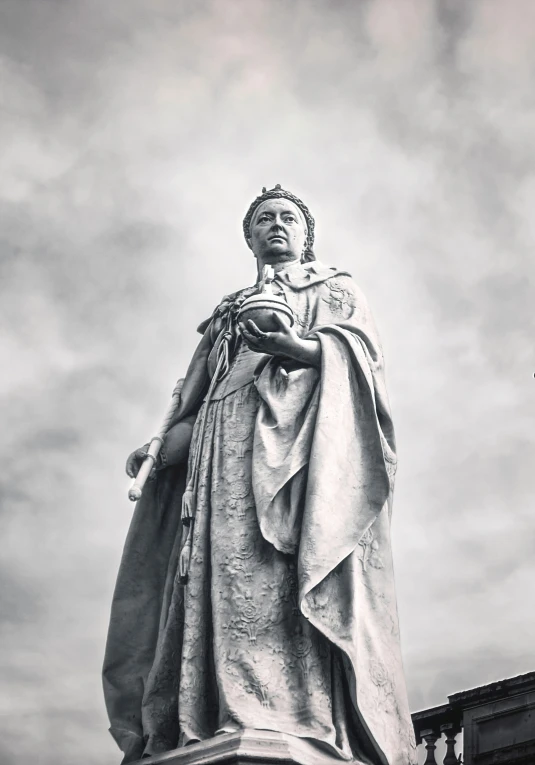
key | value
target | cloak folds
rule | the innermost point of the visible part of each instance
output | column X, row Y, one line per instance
column 323, row 467
column 140, row 605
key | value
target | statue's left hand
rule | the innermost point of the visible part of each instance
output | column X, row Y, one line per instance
column 283, row 342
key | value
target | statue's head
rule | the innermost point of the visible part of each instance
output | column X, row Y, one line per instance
column 278, row 226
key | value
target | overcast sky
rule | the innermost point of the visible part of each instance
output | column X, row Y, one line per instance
column 134, row 135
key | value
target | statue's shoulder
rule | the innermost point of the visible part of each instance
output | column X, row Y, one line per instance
column 305, row 275
column 342, row 281
column 333, row 278
column 343, row 296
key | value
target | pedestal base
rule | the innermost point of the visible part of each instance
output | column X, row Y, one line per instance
column 248, row 747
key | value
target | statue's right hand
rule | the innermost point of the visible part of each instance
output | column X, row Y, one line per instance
column 135, row 460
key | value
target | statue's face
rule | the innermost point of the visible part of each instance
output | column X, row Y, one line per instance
column 278, row 232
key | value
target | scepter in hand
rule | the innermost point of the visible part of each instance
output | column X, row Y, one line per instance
column 136, row 490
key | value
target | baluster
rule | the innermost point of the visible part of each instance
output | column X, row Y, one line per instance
column 430, row 737
column 451, row 731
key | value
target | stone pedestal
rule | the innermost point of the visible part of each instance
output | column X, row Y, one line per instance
column 248, row 747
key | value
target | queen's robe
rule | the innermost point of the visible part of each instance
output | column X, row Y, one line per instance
column 288, row 621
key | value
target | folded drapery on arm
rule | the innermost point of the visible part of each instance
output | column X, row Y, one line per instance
column 323, row 472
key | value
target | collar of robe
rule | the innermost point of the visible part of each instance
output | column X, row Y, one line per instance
column 296, row 275
column 299, row 276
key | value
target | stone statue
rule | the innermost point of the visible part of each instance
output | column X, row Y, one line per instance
column 256, row 590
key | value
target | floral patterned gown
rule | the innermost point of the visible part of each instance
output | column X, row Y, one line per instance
column 249, row 659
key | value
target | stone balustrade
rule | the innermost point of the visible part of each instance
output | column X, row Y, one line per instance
column 497, row 720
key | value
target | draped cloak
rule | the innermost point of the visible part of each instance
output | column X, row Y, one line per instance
column 322, row 473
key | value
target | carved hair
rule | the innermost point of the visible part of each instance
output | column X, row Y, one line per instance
column 279, row 193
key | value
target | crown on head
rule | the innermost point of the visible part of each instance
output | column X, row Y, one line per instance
column 277, row 192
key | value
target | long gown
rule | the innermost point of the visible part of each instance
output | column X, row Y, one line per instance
column 242, row 645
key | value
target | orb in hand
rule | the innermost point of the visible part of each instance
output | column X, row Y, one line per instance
column 261, row 309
